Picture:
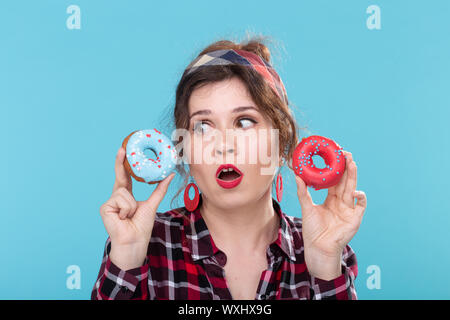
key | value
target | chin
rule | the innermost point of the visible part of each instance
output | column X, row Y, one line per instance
column 231, row 198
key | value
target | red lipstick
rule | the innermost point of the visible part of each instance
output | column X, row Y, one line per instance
column 229, row 183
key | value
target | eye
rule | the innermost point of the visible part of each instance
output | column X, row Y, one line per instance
column 199, row 127
column 247, row 122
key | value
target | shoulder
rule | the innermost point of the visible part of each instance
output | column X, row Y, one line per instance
column 295, row 223
column 292, row 229
column 171, row 218
column 169, row 223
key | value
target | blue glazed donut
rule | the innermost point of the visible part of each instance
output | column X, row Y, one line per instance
column 141, row 166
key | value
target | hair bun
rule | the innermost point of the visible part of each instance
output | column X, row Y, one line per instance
column 255, row 44
column 258, row 48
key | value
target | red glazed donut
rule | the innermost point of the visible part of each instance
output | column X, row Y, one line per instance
column 330, row 151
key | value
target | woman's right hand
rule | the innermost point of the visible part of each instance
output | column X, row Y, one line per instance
column 128, row 222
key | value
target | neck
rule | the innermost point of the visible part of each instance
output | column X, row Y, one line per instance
column 247, row 228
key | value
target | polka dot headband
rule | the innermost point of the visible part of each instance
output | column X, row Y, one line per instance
column 244, row 58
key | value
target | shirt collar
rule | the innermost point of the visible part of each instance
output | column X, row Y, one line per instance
column 201, row 244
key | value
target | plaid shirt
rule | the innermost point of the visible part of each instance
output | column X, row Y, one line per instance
column 183, row 263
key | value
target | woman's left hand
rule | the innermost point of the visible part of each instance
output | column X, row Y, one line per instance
column 329, row 227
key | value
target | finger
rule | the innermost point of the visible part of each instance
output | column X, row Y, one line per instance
column 304, row 196
column 105, row 209
column 152, row 203
column 123, row 179
column 350, row 186
column 338, row 191
column 123, row 205
column 361, row 202
column 130, row 199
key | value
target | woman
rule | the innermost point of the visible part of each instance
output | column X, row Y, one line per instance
column 235, row 243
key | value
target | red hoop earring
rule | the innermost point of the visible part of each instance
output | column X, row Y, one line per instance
column 191, row 205
column 279, row 187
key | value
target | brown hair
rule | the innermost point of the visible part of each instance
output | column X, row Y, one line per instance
column 270, row 105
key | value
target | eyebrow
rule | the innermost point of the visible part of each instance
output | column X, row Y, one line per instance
column 235, row 110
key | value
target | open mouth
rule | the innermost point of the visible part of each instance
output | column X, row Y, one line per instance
column 228, row 176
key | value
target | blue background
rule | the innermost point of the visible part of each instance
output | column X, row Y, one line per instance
column 69, row 97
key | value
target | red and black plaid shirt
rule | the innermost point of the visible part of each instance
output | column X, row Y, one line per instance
column 183, row 263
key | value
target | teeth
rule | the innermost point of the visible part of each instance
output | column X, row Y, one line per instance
column 227, row 170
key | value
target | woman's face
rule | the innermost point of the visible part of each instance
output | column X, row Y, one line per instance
column 226, row 127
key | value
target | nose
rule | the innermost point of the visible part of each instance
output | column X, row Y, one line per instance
column 219, row 152
column 222, row 147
